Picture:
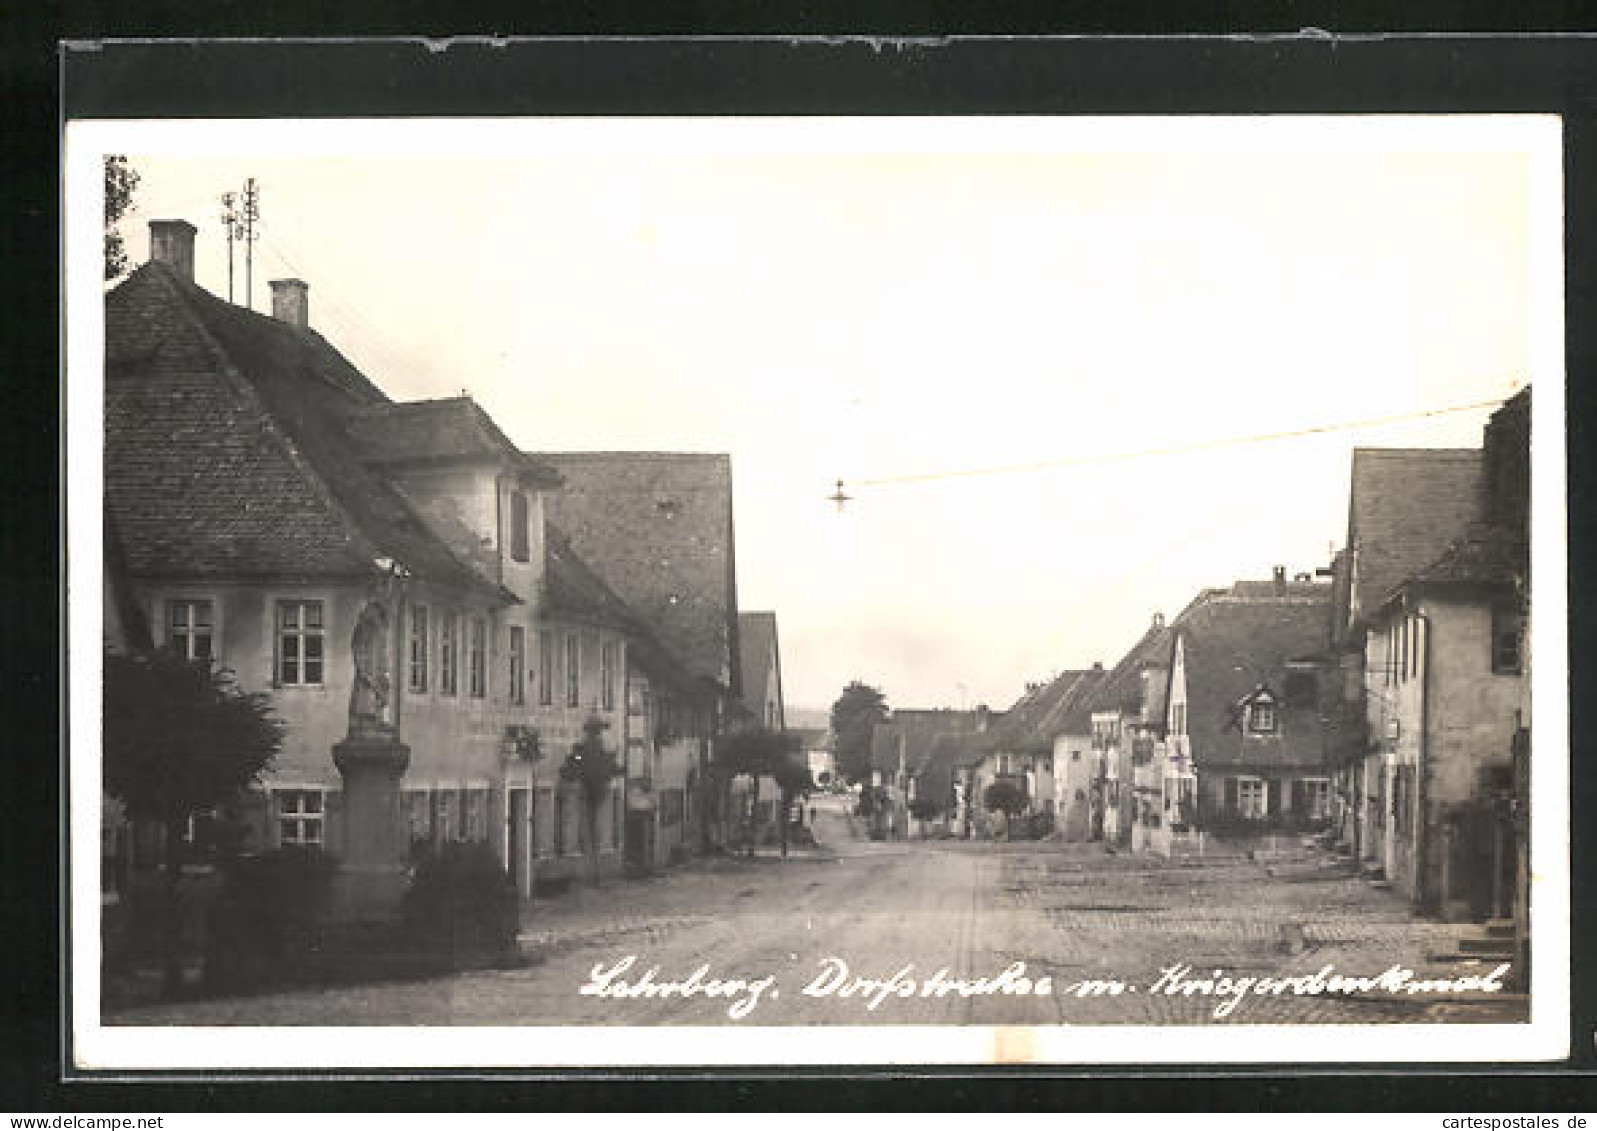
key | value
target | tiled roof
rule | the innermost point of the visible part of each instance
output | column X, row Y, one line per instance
column 447, row 430
column 1045, row 711
column 658, row 528
column 1235, row 643
column 1406, row 507
column 225, row 454
column 1488, row 556
column 1123, row 688
column 917, row 727
column 757, row 644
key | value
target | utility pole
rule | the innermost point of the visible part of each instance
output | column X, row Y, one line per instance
column 233, row 226
column 251, row 213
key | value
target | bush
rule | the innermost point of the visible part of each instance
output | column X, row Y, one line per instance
column 268, row 921
column 925, row 809
column 461, row 902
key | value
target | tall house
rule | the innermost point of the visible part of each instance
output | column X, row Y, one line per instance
column 1438, row 635
column 1248, row 739
column 657, row 528
column 276, row 512
column 761, row 659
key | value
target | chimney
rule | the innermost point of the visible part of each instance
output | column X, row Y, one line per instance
column 1158, row 620
column 172, row 243
column 291, row 302
column 1279, row 575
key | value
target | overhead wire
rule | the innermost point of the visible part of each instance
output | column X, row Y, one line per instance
column 1172, row 450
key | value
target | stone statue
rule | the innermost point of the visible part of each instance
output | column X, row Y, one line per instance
column 370, row 710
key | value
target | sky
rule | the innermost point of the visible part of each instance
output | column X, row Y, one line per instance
column 911, row 307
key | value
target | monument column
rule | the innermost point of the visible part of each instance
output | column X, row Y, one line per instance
column 372, row 874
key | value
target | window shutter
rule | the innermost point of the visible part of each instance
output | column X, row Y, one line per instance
column 1231, row 793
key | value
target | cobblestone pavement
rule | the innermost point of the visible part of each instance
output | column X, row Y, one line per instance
column 1070, row 913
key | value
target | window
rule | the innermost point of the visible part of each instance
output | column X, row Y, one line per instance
column 1507, row 628
column 546, row 668
column 1402, row 651
column 607, row 675
column 560, row 822
column 478, row 662
column 188, row 629
column 299, row 816
column 1075, row 756
column 573, row 671
column 1250, row 797
column 448, row 653
column 1261, row 716
column 418, row 648
column 1178, row 718
column 518, row 526
column 474, row 805
column 616, row 820
column 1316, row 798
column 518, row 664
column 299, row 643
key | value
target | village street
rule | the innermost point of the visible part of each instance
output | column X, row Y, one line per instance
column 1068, row 912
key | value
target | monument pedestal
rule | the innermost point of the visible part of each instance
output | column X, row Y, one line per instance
column 371, row 879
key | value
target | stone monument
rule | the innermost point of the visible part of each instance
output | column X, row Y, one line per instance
column 371, row 878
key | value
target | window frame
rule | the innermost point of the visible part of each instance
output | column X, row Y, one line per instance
column 419, row 643
column 188, row 632
column 573, row 669
column 546, row 668
column 449, row 652
column 299, row 815
column 1508, row 624
column 1247, row 784
column 301, row 632
column 516, row 647
column 477, row 657
column 607, row 675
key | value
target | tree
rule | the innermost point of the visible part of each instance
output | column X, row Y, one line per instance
column 180, row 735
column 120, row 181
column 854, row 719
column 593, row 768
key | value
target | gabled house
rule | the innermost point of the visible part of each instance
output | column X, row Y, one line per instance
column 900, row 749
column 1405, row 507
column 1248, row 730
column 1445, row 689
column 657, row 528
column 1125, row 721
column 373, row 566
column 760, row 655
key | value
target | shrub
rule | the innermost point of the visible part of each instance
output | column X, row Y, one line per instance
column 925, row 809
column 267, row 922
column 461, row 902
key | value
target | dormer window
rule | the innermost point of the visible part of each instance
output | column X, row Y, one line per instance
column 1262, row 715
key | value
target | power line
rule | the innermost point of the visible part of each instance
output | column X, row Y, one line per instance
column 1178, row 449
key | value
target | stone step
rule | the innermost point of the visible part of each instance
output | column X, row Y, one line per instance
column 1484, row 945
column 1500, row 928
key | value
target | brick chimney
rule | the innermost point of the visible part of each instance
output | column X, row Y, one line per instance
column 172, row 243
column 291, row 302
column 1279, row 576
